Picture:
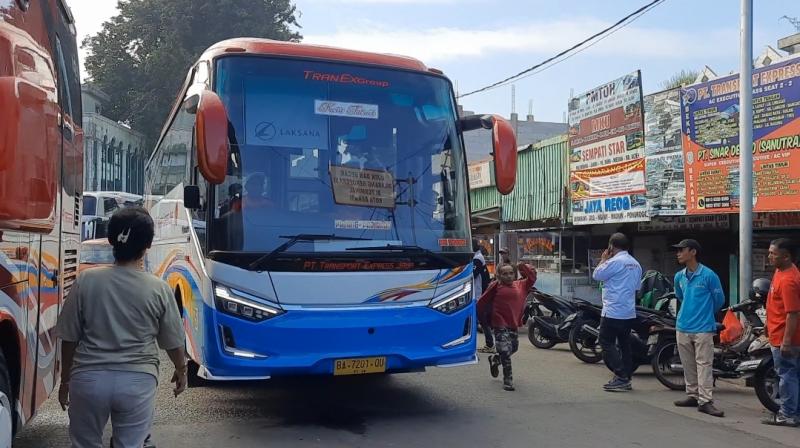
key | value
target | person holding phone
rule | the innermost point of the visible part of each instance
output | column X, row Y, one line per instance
column 621, row 275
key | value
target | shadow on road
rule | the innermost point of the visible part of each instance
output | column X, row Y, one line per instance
column 347, row 403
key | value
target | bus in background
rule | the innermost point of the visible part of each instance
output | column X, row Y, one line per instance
column 97, row 208
column 314, row 213
column 41, row 178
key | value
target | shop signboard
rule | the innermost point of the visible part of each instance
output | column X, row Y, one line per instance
column 666, row 191
column 480, row 174
column 710, row 122
column 696, row 223
column 607, row 164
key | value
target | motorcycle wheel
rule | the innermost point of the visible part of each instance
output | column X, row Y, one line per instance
column 537, row 338
column 766, row 386
column 583, row 345
column 666, row 354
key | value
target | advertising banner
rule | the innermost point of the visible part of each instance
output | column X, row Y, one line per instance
column 711, row 141
column 607, row 164
column 480, row 174
column 666, row 190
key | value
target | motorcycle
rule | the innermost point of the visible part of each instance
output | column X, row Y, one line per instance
column 584, row 336
column 758, row 370
column 549, row 318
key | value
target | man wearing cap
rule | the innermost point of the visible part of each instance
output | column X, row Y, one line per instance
column 700, row 292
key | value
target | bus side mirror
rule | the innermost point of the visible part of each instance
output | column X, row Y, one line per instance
column 504, row 147
column 211, row 131
column 191, row 197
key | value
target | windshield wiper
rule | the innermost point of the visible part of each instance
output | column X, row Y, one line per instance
column 294, row 239
column 409, row 249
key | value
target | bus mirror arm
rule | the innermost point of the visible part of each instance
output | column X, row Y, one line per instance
column 191, row 197
column 472, row 122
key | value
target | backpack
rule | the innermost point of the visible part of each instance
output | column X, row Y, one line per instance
column 654, row 284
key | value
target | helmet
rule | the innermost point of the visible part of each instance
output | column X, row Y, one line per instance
column 760, row 288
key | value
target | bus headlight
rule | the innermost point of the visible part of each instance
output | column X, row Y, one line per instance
column 236, row 304
column 454, row 301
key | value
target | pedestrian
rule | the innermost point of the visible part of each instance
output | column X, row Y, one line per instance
column 621, row 276
column 699, row 290
column 113, row 322
column 505, row 300
column 480, row 281
column 783, row 329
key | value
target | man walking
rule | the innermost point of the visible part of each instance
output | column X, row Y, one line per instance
column 621, row 275
column 700, row 292
column 783, row 328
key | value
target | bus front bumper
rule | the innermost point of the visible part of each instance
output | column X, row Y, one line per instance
column 309, row 342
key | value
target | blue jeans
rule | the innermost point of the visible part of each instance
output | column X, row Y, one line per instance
column 788, row 370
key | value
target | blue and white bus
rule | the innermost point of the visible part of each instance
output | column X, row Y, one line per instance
column 311, row 209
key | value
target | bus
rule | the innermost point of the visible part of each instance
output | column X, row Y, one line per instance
column 312, row 212
column 41, row 178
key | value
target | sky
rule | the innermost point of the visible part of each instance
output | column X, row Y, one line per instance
column 477, row 43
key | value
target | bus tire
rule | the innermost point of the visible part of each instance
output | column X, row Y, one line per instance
column 192, row 377
column 7, row 413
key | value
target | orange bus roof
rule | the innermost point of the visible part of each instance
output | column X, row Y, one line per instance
column 249, row 45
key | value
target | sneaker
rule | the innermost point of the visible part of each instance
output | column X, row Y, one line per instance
column 688, row 402
column 508, row 385
column 486, row 349
column 494, row 366
column 708, row 408
column 148, row 443
column 780, row 420
column 618, row 385
column 611, row 381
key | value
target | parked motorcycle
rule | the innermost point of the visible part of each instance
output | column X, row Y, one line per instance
column 584, row 337
column 759, row 369
column 549, row 319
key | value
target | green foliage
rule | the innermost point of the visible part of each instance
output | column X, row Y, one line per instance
column 141, row 56
column 683, row 77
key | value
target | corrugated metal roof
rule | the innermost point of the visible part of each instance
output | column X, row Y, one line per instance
column 542, row 174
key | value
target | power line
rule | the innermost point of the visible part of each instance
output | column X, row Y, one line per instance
column 634, row 15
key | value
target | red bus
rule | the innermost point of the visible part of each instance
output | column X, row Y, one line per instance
column 41, row 181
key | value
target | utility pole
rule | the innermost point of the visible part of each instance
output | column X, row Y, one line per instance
column 746, row 149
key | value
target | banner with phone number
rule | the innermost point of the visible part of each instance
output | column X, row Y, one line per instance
column 711, row 141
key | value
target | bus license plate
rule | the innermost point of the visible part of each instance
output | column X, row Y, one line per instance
column 359, row 366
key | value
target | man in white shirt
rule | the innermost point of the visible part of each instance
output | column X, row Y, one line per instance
column 621, row 275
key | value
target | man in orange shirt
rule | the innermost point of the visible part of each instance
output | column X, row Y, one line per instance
column 783, row 328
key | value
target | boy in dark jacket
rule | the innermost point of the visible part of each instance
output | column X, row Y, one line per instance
column 504, row 301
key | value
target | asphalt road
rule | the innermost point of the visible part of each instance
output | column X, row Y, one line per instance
column 558, row 403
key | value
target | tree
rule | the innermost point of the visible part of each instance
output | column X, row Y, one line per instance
column 141, row 56
column 683, row 77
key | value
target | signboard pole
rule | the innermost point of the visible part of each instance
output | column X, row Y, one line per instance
column 746, row 151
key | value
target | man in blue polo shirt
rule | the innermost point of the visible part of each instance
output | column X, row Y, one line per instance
column 700, row 292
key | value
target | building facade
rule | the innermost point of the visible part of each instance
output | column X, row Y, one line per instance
column 114, row 154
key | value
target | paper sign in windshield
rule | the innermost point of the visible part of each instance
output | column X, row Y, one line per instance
column 363, row 188
column 341, row 109
column 354, row 224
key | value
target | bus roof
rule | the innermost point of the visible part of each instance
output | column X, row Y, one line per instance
column 250, row 45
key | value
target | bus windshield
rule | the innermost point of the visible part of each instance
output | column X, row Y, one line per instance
column 371, row 155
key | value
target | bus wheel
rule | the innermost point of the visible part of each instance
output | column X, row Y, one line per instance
column 6, row 405
column 192, row 377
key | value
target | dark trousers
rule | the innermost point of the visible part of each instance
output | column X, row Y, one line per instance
column 488, row 336
column 615, row 339
column 507, row 343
